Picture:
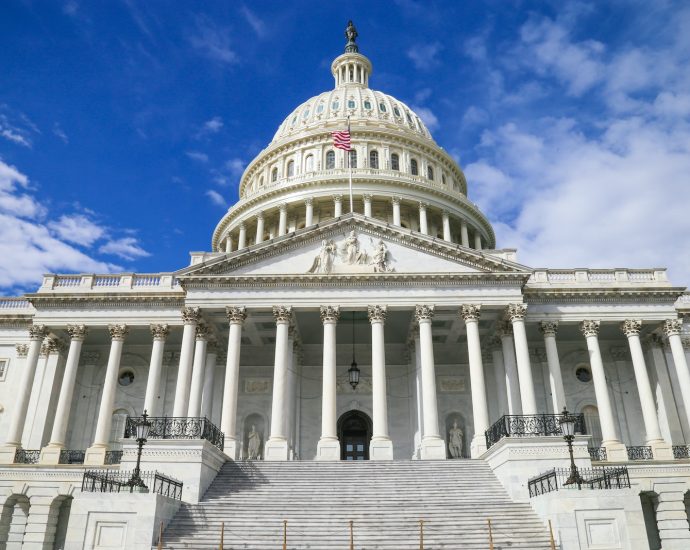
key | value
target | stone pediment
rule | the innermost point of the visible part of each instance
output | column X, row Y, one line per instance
column 352, row 245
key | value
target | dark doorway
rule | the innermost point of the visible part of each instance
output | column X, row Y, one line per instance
column 354, row 432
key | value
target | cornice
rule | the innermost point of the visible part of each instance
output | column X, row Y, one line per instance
column 129, row 300
column 664, row 295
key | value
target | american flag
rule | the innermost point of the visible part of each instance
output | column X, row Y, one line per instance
column 341, row 140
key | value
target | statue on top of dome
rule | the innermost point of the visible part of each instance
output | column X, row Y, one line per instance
column 351, row 35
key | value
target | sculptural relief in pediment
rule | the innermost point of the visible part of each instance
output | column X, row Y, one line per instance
column 352, row 256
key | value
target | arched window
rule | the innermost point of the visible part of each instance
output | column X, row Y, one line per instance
column 330, row 160
column 374, row 159
column 443, row 179
column 353, row 158
column 414, row 167
column 291, row 169
column 395, row 161
column 274, row 175
column 429, row 172
column 261, row 181
column 309, row 163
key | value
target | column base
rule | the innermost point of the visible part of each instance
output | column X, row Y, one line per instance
column 231, row 447
column 50, row 454
column 328, row 449
column 276, row 449
column 478, row 446
column 95, row 456
column 433, row 448
column 661, row 450
column 615, row 451
column 7, row 453
column 381, row 449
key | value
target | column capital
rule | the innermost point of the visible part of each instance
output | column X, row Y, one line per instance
column 236, row 314
column 52, row 344
column 396, row 200
column 160, row 332
column 242, row 226
column 445, row 213
column 203, row 332
column 191, row 315
column 260, row 216
column 118, row 332
column 377, row 314
column 423, row 205
column 672, row 327
column 548, row 328
column 309, row 201
column 505, row 328
column 516, row 312
column 282, row 314
column 470, row 312
column 283, row 206
column 631, row 327
column 423, row 312
column 338, row 198
column 77, row 332
column 685, row 342
column 367, row 197
column 22, row 350
column 330, row 314
column 38, row 332
column 589, row 328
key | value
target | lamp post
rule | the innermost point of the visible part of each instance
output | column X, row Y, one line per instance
column 567, row 422
column 353, row 371
column 142, row 427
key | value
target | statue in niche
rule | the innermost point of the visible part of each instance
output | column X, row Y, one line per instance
column 323, row 263
column 351, row 253
column 254, row 444
column 380, row 259
column 455, row 441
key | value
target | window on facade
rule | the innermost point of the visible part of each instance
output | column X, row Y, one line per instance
column 353, row 158
column 305, row 114
column 429, row 172
column 309, row 163
column 395, row 161
column 330, row 160
column 351, row 104
column 367, row 105
column 443, row 179
column 396, row 111
column 382, row 107
column 3, row 368
column 335, row 105
column 126, row 377
column 291, row 169
column 294, row 120
column 261, row 181
column 583, row 374
column 319, row 109
column 414, row 167
column 374, row 159
column 274, row 174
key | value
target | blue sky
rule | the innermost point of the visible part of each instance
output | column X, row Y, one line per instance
column 125, row 126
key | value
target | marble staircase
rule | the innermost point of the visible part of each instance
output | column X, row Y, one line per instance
column 385, row 501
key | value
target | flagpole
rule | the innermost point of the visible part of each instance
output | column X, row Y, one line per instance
column 349, row 165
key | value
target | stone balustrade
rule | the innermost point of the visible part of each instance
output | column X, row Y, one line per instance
column 108, row 283
column 598, row 277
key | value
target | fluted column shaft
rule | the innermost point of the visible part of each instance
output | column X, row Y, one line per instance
column 190, row 317
column 464, row 235
column 516, row 314
column 228, row 244
column 309, row 213
column 477, row 241
column 446, row 226
column 198, row 372
column 276, row 446
column 160, row 333
column 228, row 422
column 480, row 408
column 512, row 378
column 259, row 228
column 500, row 376
column 337, row 206
column 209, row 383
column 672, row 328
column 423, row 225
column 242, row 237
column 282, row 220
column 549, row 330
column 329, row 447
column 396, row 211
column 381, row 446
column 367, row 205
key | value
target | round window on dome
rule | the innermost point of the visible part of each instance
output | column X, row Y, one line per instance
column 351, row 104
column 382, row 107
column 583, row 374
column 367, row 105
column 126, row 377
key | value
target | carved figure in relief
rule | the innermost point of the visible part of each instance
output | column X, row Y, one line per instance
column 380, row 259
column 323, row 263
column 455, row 441
column 351, row 253
column 254, row 444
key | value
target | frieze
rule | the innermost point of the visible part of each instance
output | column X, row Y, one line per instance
column 452, row 384
column 257, row 386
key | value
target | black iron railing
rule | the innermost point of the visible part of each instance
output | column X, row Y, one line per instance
column 165, row 427
column 681, row 451
column 592, row 478
column 115, row 481
column 68, row 456
column 597, row 453
column 532, row 425
column 640, row 453
column 112, row 457
column 24, row 456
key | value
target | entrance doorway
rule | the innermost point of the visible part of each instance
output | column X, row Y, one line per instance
column 354, row 433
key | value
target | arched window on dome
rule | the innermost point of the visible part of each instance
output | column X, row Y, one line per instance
column 261, row 181
column 274, row 175
column 309, row 163
column 430, row 172
column 330, row 160
column 373, row 159
column 395, row 161
column 353, row 158
column 443, row 179
column 291, row 169
column 414, row 167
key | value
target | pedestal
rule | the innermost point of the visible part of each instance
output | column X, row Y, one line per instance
column 478, row 446
column 615, row 451
column 50, row 455
column 661, row 450
column 328, row 449
column 381, row 449
column 433, row 448
column 7, row 453
column 95, row 456
column 231, row 447
column 276, row 449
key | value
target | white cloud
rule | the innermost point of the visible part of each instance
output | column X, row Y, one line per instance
column 127, row 248
column 77, row 229
column 423, row 56
column 235, row 166
column 198, row 156
column 60, row 133
column 257, row 25
column 211, row 126
column 213, row 41
column 428, row 117
column 216, row 198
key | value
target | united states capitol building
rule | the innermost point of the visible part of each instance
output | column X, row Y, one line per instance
column 371, row 356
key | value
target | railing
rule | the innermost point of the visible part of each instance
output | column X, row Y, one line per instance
column 109, row 282
column 23, row 456
column 597, row 453
column 599, row 276
column 71, row 457
column 164, row 427
column 681, row 451
column 640, row 453
column 592, row 478
column 529, row 426
column 116, row 481
column 11, row 302
column 112, row 457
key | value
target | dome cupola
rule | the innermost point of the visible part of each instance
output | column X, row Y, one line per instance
column 351, row 68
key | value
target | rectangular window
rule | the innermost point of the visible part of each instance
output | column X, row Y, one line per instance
column 4, row 363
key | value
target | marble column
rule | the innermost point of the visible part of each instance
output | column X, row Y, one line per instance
column 381, row 447
column 23, row 394
column 416, row 350
column 433, row 445
column 396, row 210
column 672, row 328
column 277, row 444
column 516, row 314
column 660, row 449
column 423, row 225
column 367, row 204
column 198, row 371
column 445, row 217
column 477, row 240
column 500, row 375
column 293, row 365
column 329, row 447
column 209, row 381
column 151, row 404
column 464, row 235
column 337, row 206
column 228, row 422
column 669, row 417
column 615, row 450
column 190, row 318
column 95, row 455
column 309, row 212
column 242, row 238
column 549, row 330
column 480, row 408
column 282, row 219
column 505, row 333
column 259, row 228
column 228, row 244
column 51, row 453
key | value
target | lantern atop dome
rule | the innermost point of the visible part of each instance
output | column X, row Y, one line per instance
column 351, row 68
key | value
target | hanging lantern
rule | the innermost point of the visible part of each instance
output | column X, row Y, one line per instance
column 353, row 374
